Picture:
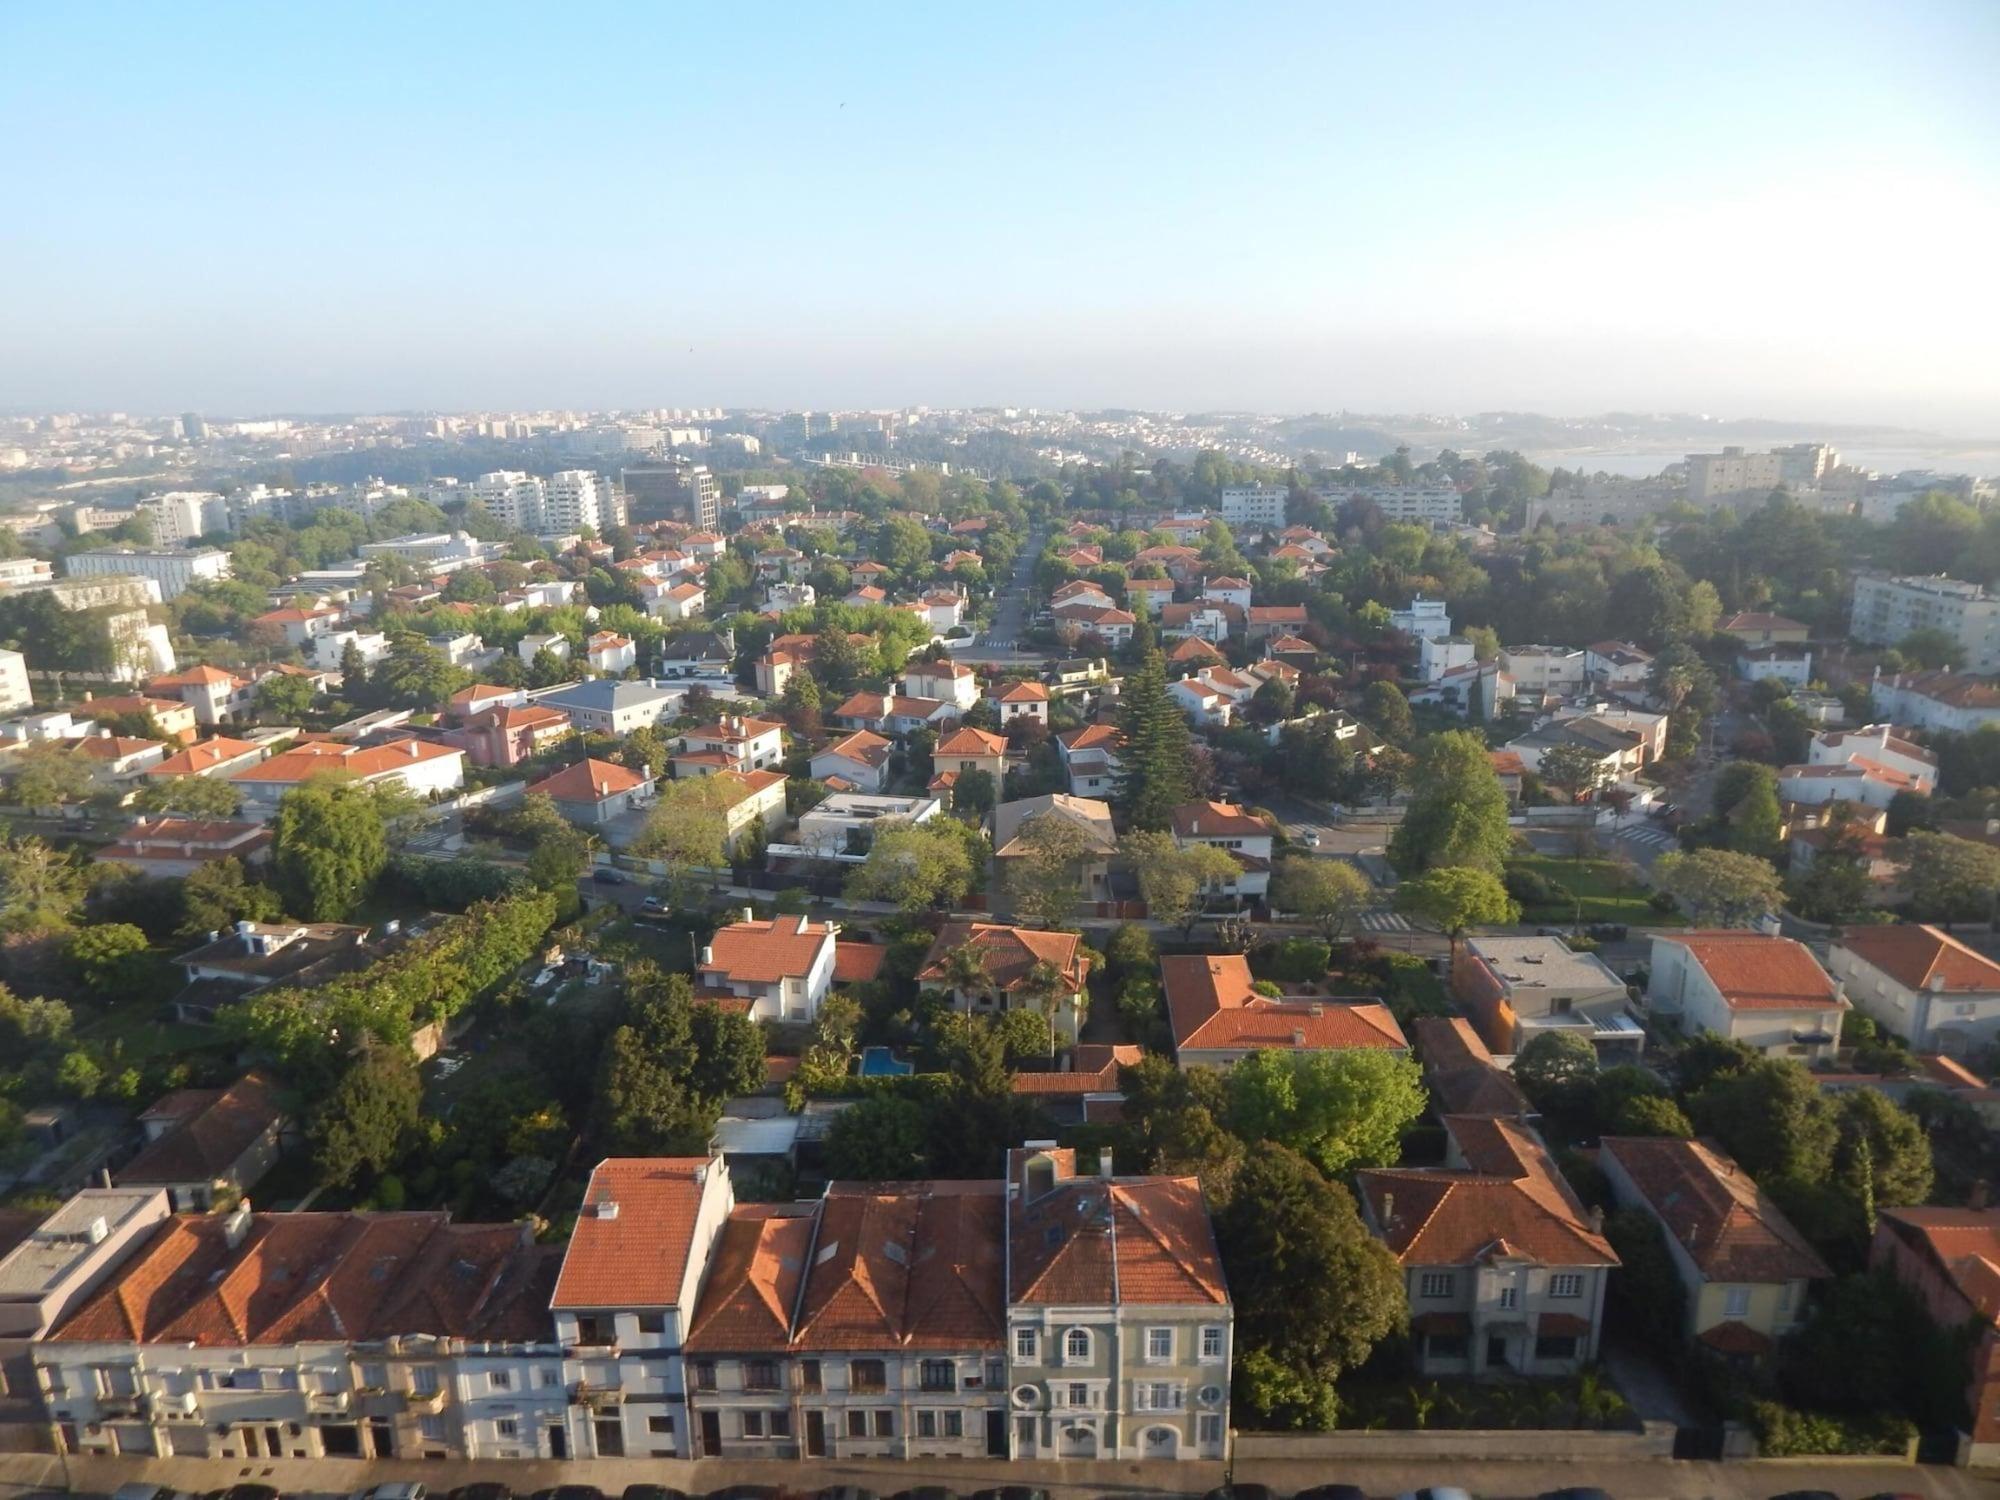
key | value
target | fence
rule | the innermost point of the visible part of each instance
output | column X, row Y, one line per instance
column 1654, row 1440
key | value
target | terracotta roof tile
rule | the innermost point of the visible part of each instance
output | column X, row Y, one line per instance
column 1918, row 957
column 1009, row 953
column 589, row 781
column 1711, row 1208
column 216, row 1127
column 1755, row 972
column 765, row 952
column 1211, row 1005
column 638, row 1255
column 1131, row 1241
column 753, row 1281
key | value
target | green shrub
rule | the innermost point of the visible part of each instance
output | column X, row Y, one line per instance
column 1533, row 888
column 1301, row 960
column 1785, row 1432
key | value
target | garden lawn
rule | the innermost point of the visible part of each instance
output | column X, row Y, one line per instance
column 135, row 1035
column 1608, row 893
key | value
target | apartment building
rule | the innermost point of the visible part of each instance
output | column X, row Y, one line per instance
column 1505, row 1269
column 1254, row 505
column 622, row 1304
column 1734, row 476
column 1962, row 701
column 1426, row 505
column 1119, row 1326
column 183, row 515
column 1424, row 617
column 310, row 1335
column 1545, row 671
column 174, row 571
column 1886, row 609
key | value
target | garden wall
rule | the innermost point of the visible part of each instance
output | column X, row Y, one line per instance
column 1655, row 1440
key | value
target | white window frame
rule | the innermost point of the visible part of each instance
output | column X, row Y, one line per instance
column 1510, row 1297
column 1565, row 1284
column 1213, row 1333
column 1736, row 1302
column 1155, row 1356
column 1070, row 1357
column 1433, row 1284
column 1028, row 1346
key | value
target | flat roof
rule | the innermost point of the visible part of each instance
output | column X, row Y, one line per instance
column 1543, row 963
column 51, row 1252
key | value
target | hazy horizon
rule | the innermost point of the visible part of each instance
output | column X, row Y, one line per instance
column 1780, row 212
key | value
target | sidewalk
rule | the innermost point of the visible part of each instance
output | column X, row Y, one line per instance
column 23, row 1474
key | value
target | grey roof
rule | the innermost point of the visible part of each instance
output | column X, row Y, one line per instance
column 1544, row 963
column 605, row 695
column 40, row 1262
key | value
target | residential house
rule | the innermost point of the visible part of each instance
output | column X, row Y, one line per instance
column 1182, row 564
column 1504, row 1267
column 1958, row 701
column 1262, row 622
column 1922, row 984
column 1618, row 752
column 1880, row 745
column 328, row 651
column 251, row 955
column 1756, row 628
column 1021, row 700
column 592, row 792
column 675, row 602
column 214, row 696
column 610, row 653
column 174, row 719
column 859, row 761
column 1016, row 961
column 1860, row 781
column 169, row 848
column 1218, row 1018
column 116, row 760
column 1947, row 1257
column 218, row 755
column 1424, row 617
column 1090, row 758
column 419, row 767
column 301, row 626
column 508, row 736
column 890, row 713
column 699, row 653
column 1439, row 654
column 209, row 1146
column 1109, row 624
column 731, row 743
column 1207, row 707
column 1516, row 988
column 966, row 749
column 1227, row 590
column 869, row 1323
column 1081, row 593
column 480, row 697
column 1511, row 770
column 611, row 706
column 843, row 826
column 1119, row 1326
column 246, row 1336
column 1203, row 619
column 1744, row 1270
column 779, row 970
column 1542, row 673
column 1618, row 667
column 1085, row 1090
column 756, row 801
column 1247, row 839
column 866, row 595
column 645, row 1237
column 1195, row 652
column 944, row 681
column 1790, row 665
column 1146, row 595
column 534, row 643
column 1092, row 821
column 941, row 609
column 1769, row 992
column 1460, row 1073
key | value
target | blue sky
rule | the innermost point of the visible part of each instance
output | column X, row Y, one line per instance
column 1744, row 208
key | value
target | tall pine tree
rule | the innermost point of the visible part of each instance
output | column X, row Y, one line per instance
column 1156, row 773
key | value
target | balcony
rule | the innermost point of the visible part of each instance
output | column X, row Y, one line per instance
column 597, row 1397
column 327, row 1403
column 430, row 1402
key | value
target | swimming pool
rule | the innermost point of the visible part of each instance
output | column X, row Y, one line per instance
column 880, row 1062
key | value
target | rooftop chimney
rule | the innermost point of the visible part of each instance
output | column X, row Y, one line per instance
column 237, row 1225
column 1104, row 1163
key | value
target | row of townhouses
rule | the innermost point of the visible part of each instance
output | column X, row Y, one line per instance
column 1049, row 1314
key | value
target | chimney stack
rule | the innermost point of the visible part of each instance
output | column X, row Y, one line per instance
column 1104, row 1169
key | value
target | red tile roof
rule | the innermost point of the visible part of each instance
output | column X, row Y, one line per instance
column 316, row 757
column 1709, row 1206
column 765, row 952
column 1212, row 1006
column 589, row 780
column 753, row 1281
column 214, row 751
column 1508, row 1202
column 1217, row 820
column 1194, row 648
column 1921, row 957
column 1009, row 953
column 1022, row 692
column 856, row 963
column 1755, row 972
column 906, row 1266
column 1093, row 1070
column 197, row 676
column 1962, row 1243
column 1142, row 1241
column 637, row 1254
column 216, row 1127
column 1461, row 1073
column 975, row 742
column 865, row 746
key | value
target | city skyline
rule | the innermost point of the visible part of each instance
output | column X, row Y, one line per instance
column 1280, row 211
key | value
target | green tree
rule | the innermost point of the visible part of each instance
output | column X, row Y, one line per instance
column 1719, row 887
column 1949, row 878
column 1174, row 882
column 1772, row 1118
column 1453, row 898
column 217, row 895
column 688, row 827
column 113, row 958
column 1882, row 1156
column 1044, row 872
column 1314, row 1291
column 1836, row 885
column 1388, row 711
column 973, row 794
column 1340, row 1109
column 881, row 1138
column 1746, row 800
column 1557, row 1070
column 1574, row 770
column 1155, row 765
column 189, row 797
column 50, row 774
column 1648, row 1114
column 917, row 866
column 648, row 1103
column 415, row 674
column 330, row 843
column 284, row 698
column 1330, row 892
column 1459, row 813
column 41, row 887
column 360, row 1128
column 1932, row 650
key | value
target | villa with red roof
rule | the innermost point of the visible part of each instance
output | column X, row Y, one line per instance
column 1012, row 961
column 1218, row 1017
column 1922, row 984
column 776, row 970
column 215, row 695
column 1769, row 992
column 219, row 755
column 966, row 749
column 418, row 767
column 592, row 792
column 1246, row 838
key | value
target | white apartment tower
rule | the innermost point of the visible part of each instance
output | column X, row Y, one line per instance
column 511, row 497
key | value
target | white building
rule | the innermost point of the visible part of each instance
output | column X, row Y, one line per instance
column 174, row 571
column 434, row 552
column 1922, row 984
column 1544, row 671
column 843, row 826
column 511, row 497
column 1962, row 701
column 1261, row 505
column 579, row 498
column 183, row 515
column 1424, row 617
column 1877, row 745
column 1888, row 609
column 1439, row 654
column 14, row 691
column 782, row 968
column 1769, row 992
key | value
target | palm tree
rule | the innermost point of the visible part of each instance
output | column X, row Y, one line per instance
column 1042, row 988
column 965, row 971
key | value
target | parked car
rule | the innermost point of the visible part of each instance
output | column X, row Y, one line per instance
column 1011, row 1492
column 570, row 1492
column 1309, row 839
column 605, row 875
column 1576, row 1492
column 653, row 1492
column 394, row 1492
column 486, row 1491
column 1436, row 1492
column 1332, row 1492
column 653, row 903
column 845, row 1492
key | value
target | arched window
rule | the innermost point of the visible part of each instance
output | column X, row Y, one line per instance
column 1076, row 1346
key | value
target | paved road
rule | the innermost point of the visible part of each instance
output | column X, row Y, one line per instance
column 23, row 1474
column 998, row 643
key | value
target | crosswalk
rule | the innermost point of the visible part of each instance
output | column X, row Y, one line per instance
column 1383, row 921
column 1652, row 838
